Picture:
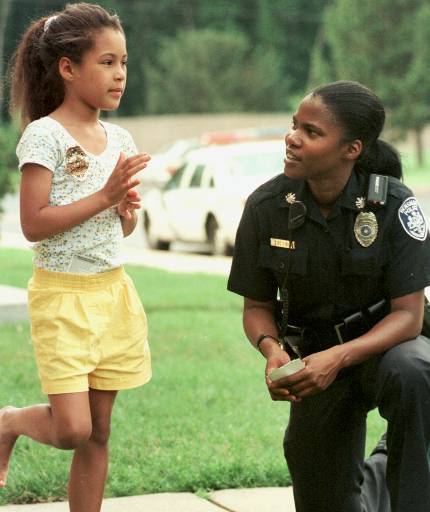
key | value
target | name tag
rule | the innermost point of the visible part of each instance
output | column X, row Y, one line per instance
column 285, row 244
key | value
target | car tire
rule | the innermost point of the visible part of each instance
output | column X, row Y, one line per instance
column 152, row 241
column 217, row 244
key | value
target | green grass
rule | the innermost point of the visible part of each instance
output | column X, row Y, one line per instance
column 205, row 421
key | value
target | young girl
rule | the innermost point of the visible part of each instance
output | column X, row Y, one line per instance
column 77, row 202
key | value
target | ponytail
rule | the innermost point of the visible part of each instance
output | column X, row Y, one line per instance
column 37, row 86
column 380, row 158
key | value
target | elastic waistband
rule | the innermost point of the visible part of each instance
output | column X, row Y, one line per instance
column 42, row 277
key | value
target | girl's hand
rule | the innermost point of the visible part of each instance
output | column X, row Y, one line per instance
column 121, row 180
column 278, row 389
column 320, row 371
column 129, row 203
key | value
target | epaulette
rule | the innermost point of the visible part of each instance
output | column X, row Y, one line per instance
column 267, row 190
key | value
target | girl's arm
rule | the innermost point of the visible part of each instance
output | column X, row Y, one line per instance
column 127, row 211
column 40, row 221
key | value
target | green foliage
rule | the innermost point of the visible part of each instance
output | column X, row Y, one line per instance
column 282, row 30
column 214, row 71
column 8, row 140
column 384, row 45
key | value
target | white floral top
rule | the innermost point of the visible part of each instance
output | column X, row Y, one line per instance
column 95, row 245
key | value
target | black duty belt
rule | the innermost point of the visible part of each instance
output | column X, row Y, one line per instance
column 316, row 337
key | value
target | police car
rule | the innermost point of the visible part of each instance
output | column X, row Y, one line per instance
column 203, row 201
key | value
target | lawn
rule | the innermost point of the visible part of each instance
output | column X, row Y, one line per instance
column 205, row 421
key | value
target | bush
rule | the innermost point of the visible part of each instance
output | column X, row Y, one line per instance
column 215, row 71
column 8, row 140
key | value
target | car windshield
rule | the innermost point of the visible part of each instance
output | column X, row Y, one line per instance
column 267, row 163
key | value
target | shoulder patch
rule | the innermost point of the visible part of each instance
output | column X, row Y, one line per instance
column 412, row 219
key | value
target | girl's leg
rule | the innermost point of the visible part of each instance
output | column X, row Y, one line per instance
column 64, row 424
column 90, row 462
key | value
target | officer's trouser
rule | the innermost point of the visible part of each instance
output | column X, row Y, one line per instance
column 325, row 439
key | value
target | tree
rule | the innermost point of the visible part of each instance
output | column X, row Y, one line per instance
column 214, row 71
column 8, row 140
column 284, row 30
column 4, row 13
column 384, row 45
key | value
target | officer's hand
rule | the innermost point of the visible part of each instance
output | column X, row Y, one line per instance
column 320, row 371
column 278, row 389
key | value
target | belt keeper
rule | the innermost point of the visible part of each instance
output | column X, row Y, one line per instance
column 338, row 333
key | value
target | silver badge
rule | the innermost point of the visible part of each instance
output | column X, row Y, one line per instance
column 412, row 219
column 366, row 228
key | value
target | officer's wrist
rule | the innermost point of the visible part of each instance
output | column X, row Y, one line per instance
column 268, row 344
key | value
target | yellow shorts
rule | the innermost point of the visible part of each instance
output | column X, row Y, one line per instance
column 89, row 331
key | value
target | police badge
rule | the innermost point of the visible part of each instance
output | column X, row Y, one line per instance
column 366, row 228
column 412, row 219
column 76, row 162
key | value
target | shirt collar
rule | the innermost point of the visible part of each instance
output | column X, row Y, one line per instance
column 354, row 190
column 295, row 189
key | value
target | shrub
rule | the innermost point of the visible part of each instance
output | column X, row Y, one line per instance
column 8, row 139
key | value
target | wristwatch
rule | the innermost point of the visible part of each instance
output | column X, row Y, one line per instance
column 263, row 336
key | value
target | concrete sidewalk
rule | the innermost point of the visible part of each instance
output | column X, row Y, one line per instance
column 274, row 499
column 13, row 304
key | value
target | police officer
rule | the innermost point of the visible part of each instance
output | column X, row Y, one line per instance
column 351, row 276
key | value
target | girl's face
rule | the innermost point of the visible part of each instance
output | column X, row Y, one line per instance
column 99, row 80
column 315, row 148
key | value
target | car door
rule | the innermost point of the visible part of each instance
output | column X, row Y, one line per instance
column 181, row 203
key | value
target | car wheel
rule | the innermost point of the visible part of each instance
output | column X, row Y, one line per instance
column 152, row 241
column 217, row 244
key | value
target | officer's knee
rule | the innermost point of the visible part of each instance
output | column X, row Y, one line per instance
column 405, row 369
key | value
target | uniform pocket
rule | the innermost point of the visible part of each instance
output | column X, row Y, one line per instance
column 361, row 262
column 276, row 259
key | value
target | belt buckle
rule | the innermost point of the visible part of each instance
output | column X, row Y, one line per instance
column 338, row 334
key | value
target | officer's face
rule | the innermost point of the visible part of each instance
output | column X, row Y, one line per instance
column 315, row 148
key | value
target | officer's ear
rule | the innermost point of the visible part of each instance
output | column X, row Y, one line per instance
column 353, row 149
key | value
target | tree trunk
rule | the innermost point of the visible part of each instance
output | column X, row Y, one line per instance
column 4, row 13
column 419, row 146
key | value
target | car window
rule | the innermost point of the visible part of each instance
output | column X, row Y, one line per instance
column 196, row 179
column 267, row 163
column 175, row 180
column 208, row 180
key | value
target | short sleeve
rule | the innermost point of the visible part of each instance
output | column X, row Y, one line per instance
column 409, row 262
column 38, row 146
column 247, row 277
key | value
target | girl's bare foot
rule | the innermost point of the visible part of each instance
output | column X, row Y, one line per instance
column 7, row 441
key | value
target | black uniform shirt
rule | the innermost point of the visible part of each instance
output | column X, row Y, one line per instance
column 331, row 274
